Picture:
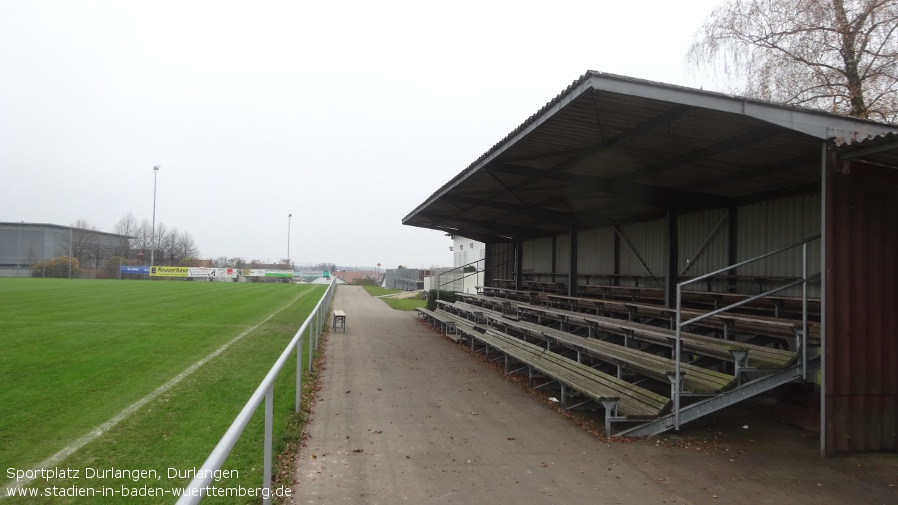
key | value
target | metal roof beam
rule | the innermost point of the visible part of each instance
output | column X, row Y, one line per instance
column 639, row 130
column 800, row 161
column 704, row 153
column 553, row 216
column 445, row 221
column 480, row 237
column 498, row 228
column 655, row 196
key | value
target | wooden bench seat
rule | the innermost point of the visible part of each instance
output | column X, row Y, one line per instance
column 446, row 322
column 549, row 287
column 776, row 305
column 489, row 302
column 759, row 356
column 695, row 379
column 731, row 321
column 633, row 401
column 632, row 293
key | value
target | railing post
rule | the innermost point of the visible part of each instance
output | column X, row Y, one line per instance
column 678, row 378
column 320, row 318
column 317, row 326
column 311, row 352
column 299, row 373
column 269, row 424
column 804, row 312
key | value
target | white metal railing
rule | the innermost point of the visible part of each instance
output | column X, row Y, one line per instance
column 677, row 386
column 195, row 491
column 478, row 270
column 464, row 275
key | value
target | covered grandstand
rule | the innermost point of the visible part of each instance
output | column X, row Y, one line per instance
column 619, row 191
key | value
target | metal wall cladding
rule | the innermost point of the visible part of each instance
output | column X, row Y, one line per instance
column 703, row 244
column 770, row 225
column 562, row 253
column 861, row 318
column 537, row 255
column 28, row 243
column 647, row 240
column 392, row 276
column 595, row 251
column 499, row 262
column 10, row 250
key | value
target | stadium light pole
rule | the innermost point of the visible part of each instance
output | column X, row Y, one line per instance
column 153, row 240
column 289, row 216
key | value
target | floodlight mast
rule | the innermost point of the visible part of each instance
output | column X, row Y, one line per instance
column 153, row 240
column 289, row 216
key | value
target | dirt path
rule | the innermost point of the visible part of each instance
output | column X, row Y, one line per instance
column 405, row 415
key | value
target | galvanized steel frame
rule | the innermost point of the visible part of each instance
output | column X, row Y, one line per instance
column 677, row 379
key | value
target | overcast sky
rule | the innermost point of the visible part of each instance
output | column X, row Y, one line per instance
column 346, row 114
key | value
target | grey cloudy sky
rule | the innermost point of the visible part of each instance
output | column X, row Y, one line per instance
column 346, row 114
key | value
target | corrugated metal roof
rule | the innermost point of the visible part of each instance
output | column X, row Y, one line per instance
column 612, row 149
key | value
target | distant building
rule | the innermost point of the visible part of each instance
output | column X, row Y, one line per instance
column 24, row 244
column 467, row 266
column 465, row 251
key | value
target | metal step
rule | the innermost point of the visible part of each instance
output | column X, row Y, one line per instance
column 731, row 397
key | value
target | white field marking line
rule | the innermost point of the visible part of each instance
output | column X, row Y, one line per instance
column 95, row 433
column 136, row 323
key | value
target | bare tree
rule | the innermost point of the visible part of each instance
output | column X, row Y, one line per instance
column 127, row 225
column 144, row 234
column 159, row 245
column 84, row 246
column 185, row 247
column 835, row 55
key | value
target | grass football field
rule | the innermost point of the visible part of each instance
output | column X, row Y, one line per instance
column 76, row 353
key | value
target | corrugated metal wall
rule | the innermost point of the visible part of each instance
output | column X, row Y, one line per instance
column 537, row 255
column 22, row 246
column 861, row 379
column 709, row 229
column 562, row 253
column 499, row 262
column 401, row 278
column 595, row 251
column 766, row 226
column 648, row 241
column 760, row 228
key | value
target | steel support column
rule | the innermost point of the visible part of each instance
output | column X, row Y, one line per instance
column 672, row 277
column 572, row 269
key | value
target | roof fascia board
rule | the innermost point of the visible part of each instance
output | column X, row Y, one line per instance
column 816, row 124
column 60, row 227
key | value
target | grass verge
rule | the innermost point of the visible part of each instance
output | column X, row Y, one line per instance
column 405, row 303
column 379, row 291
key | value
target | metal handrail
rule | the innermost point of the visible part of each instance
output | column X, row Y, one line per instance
column 462, row 267
column 193, row 493
column 678, row 375
column 475, row 272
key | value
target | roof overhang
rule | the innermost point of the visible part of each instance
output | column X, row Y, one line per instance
column 612, row 149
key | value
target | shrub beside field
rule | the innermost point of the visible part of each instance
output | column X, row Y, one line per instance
column 76, row 353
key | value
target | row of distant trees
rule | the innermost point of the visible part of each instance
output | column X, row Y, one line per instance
column 172, row 246
column 95, row 255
